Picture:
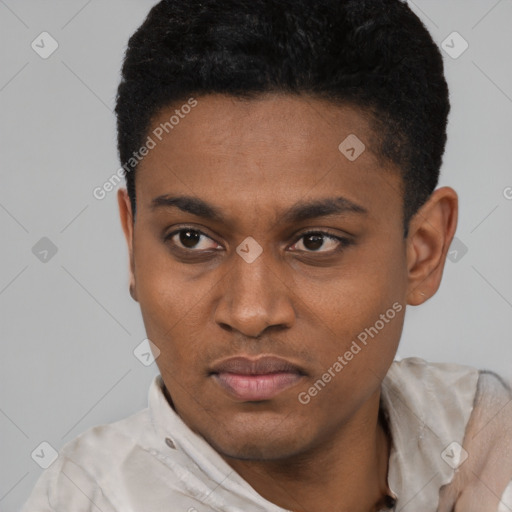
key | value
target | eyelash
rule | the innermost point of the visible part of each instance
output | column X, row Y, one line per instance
column 343, row 241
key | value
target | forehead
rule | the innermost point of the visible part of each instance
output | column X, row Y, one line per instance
column 272, row 121
column 277, row 147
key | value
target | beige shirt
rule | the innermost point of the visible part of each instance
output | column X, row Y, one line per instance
column 152, row 462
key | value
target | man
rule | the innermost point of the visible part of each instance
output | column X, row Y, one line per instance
column 281, row 212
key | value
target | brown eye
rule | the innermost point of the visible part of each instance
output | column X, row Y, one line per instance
column 313, row 241
column 190, row 239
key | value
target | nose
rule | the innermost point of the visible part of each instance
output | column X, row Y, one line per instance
column 255, row 296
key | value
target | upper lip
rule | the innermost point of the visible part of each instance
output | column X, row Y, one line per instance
column 261, row 366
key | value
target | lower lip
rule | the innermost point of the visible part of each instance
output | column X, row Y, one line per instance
column 257, row 387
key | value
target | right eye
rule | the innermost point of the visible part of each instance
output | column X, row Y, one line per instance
column 188, row 239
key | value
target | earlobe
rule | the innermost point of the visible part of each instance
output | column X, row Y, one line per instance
column 431, row 232
column 125, row 213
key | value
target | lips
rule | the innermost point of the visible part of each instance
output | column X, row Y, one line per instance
column 256, row 379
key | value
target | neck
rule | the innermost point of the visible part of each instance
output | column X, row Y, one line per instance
column 349, row 468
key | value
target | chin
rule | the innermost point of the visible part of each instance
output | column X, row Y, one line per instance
column 268, row 442
column 262, row 451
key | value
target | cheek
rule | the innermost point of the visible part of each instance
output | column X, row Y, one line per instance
column 170, row 304
column 360, row 311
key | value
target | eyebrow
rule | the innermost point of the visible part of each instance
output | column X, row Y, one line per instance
column 300, row 211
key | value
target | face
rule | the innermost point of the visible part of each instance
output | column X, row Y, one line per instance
column 257, row 238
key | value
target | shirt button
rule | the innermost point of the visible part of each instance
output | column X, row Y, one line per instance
column 169, row 442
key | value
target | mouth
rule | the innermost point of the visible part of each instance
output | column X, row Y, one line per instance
column 256, row 380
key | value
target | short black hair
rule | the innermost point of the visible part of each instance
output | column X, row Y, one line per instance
column 376, row 55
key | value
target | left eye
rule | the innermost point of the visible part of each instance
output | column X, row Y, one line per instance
column 315, row 240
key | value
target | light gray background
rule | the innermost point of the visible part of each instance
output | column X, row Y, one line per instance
column 69, row 326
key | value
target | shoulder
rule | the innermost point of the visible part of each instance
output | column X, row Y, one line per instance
column 487, row 447
column 492, row 387
column 101, row 446
column 442, row 417
column 120, row 466
column 73, row 481
column 447, row 388
column 491, row 415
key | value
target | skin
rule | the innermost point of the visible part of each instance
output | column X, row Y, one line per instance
column 302, row 301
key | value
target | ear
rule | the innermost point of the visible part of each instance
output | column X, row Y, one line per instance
column 125, row 212
column 431, row 232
